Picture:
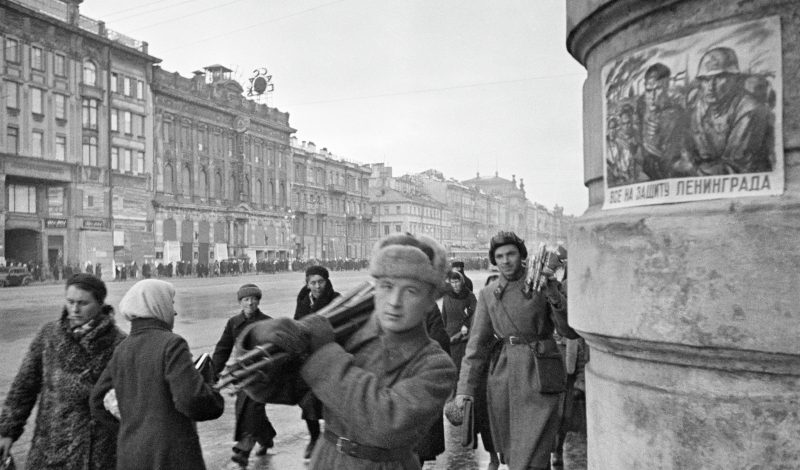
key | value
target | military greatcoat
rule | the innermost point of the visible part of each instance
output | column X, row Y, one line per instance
column 524, row 422
column 379, row 390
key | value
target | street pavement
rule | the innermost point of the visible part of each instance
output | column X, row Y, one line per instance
column 203, row 307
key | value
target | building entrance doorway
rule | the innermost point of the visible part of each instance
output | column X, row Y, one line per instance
column 23, row 246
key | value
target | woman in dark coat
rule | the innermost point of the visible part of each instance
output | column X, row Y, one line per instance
column 159, row 392
column 433, row 442
column 63, row 362
column 316, row 293
column 458, row 309
column 252, row 423
column 458, row 306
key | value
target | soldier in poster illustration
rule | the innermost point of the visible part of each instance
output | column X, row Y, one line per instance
column 663, row 123
column 706, row 120
column 732, row 122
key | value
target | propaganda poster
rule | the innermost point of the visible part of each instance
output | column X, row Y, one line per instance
column 695, row 118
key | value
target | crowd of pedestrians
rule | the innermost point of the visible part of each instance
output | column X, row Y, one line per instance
column 506, row 357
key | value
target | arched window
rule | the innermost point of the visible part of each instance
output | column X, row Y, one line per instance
column 259, row 192
column 270, row 193
column 89, row 73
column 169, row 179
column 202, row 183
column 232, row 188
column 283, row 194
column 218, row 185
column 246, row 188
column 186, row 181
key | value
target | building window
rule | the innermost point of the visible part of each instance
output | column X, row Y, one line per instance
column 126, row 122
column 140, row 162
column 12, row 50
column 90, row 151
column 37, row 101
column 126, row 86
column 37, row 58
column 202, row 179
column 89, row 108
column 12, row 95
column 114, row 120
column 397, row 228
column 138, row 125
column 89, row 201
column 115, row 158
column 61, row 148
column 60, row 68
column 89, row 73
column 397, row 209
column 61, row 106
column 166, row 129
column 114, row 81
column 201, row 138
column 126, row 160
column 37, row 144
column 140, row 89
column 22, row 199
column 169, row 179
column 12, row 140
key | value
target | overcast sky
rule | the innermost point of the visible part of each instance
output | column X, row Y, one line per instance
column 460, row 86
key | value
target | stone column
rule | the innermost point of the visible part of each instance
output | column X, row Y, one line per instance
column 690, row 305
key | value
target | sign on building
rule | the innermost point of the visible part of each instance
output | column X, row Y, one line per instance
column 695, row 118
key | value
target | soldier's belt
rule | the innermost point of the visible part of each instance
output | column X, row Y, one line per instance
column 528, row 339
column 360, row 451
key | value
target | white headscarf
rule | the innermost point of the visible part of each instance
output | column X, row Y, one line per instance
column 149, row 298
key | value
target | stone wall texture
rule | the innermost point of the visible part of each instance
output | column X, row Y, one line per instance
column 692, row 310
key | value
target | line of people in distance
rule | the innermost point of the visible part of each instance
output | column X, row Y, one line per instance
column 110, row 400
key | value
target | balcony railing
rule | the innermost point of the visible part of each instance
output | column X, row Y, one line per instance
column 58, row 10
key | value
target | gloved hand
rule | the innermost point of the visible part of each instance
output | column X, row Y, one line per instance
column 319, row 330
column 285, row 333
column 553, row 293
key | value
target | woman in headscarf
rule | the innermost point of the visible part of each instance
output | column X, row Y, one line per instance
column 64, row 361
column 159, row 392
column 315, row 294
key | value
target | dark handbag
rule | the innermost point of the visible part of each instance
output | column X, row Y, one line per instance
column 468, row 428
column 8, row 464
column 550, row 375
column 575, row 413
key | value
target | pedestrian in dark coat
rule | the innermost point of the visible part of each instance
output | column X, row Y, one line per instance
column 523, row 399
column 387, row 384
column 433, row 442
column 65, row 359
column 458, row 308
column 458, row 266
column 159, row 392
column 316, row 293
column 252, row 423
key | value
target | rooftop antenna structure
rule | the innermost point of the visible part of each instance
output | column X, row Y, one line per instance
column 260, row 86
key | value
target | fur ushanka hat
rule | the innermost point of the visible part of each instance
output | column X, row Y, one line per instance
column 248, row 290
column 506, row 238
column 411, row 257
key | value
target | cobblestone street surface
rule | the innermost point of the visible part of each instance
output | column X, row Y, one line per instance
column 203, row 306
